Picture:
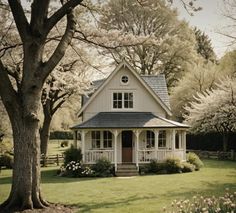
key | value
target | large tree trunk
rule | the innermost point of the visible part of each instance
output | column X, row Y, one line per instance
column 25, row 191
column 225, row 142
column 23, row 113
column 44, row 135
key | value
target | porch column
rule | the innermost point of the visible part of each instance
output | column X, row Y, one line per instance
column 83, row 145
column 156, row 143
column 173, row 140
column 75, row 139
column 137, row 132
column 115, row 148
column 184, row 143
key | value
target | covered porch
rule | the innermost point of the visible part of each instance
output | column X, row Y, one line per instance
column 151, row 139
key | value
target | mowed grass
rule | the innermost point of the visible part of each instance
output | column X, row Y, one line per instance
column 134, row 194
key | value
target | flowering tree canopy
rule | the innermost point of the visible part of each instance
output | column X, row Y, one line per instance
column 214, row 110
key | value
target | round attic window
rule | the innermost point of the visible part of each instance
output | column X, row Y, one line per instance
column 125, row 79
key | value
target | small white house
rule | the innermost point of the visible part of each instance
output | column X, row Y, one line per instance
column 126, row 120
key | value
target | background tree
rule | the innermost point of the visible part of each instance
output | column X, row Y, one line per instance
column 214, row 111
column 202, row 77
column 229, row 12
column 204, row 46
column 169, row 44
column 68, row 79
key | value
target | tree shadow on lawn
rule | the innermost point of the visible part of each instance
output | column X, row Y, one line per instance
column 112, row 203
column 210, row 189
column 50, row 176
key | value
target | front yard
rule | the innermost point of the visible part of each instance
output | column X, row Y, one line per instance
column 133, row 194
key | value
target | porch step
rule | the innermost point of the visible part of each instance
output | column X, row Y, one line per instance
column 124, row 170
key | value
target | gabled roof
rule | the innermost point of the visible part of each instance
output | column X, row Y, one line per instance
column 128, row 120
column 156, row 82
column 148, row 84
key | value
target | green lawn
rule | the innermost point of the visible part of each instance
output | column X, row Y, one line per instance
column 135, row 194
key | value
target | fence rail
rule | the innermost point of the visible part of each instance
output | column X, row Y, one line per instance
column 52, row 160
column 231, row 155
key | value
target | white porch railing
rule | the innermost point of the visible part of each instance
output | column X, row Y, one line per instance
column 146, row 155
column 91, row 156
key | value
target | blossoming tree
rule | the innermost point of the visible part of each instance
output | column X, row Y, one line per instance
column 214, row 110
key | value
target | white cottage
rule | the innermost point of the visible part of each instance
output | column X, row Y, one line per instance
column 126, row 120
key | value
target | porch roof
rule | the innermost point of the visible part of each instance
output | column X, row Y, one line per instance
column 108, row 120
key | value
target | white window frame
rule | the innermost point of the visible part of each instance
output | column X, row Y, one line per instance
column 96, row 139
column 124, row 83
column 150, row 141
column 107, row 139
column 123, row 100
column 162, row 141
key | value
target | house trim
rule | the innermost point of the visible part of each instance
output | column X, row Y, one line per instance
column 124, row 63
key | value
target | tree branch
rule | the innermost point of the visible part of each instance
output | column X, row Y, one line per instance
column 62, row 46
column 7, row 92
column 39, row 14
column 59, row 14
column 20, row 18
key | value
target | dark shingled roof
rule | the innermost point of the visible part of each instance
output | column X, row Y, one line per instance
column 128, row 120
column 156, row 82
column 158, row 85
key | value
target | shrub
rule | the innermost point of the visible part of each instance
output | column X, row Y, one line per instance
column 187, row 167
column 103, row 168
column 155, row 167
column 72, row 154
column 6, row 160
column 173, row 165
column 226, row 203
column 76, row 169
column 64, row 143
column 195, row 160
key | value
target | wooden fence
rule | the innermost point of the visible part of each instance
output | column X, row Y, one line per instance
column 220, row 155
column 52, row 160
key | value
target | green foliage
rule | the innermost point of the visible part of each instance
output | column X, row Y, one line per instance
column 187, row 167
column 72, row 154
column 6, row 160
column 173, row 165
column 195, row 160
column 155, row 167
column 64, row 143
column 198, row 204
column 5, row 146
column 170, row 166
column 103, row 168
column 203, row 46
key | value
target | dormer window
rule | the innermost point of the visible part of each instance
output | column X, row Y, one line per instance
column 124, row 79
column 123, row 100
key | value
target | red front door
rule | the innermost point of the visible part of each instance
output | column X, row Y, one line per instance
column 127, row 146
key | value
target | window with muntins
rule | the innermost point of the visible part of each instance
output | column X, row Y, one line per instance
column 117, row 100
column 96, row 139
column 128, row 100
column 162, row 139
column 150, row 138
column 123, row 100
column 107, row 139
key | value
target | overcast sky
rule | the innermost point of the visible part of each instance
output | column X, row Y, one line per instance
column 209, row 20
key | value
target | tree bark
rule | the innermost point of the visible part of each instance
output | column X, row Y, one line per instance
column 225, row 142
column 44, row 135
column 25, row 191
